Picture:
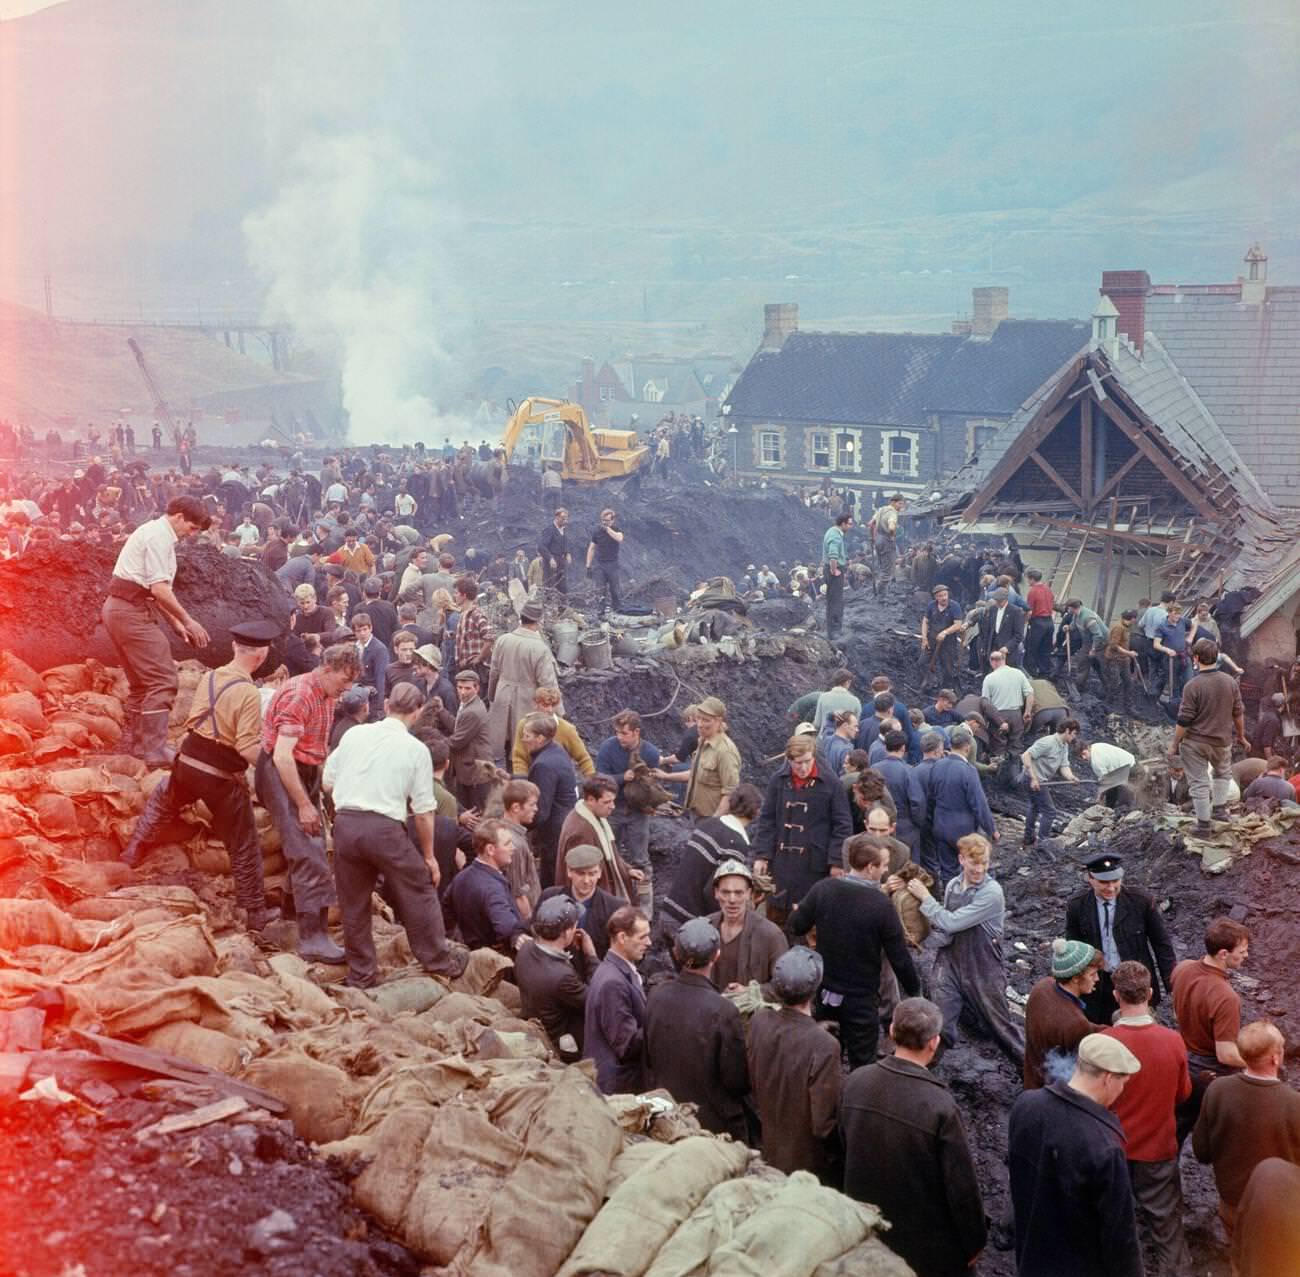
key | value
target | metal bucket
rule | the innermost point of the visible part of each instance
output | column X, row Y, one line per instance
column 595, row 650
column 566, row 642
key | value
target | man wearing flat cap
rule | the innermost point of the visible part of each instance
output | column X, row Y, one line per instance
column 694, row 1038
column 521, row 663
column 222, row 737
column 1125, row 926
column 1070, row 1186
column 552, row 989
column 582, row 869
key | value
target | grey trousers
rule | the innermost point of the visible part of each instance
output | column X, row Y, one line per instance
column 1209, row 773
column 1158, row 1196
column 309, row 870
column 969, row 972
column 141, row 645
column 366, row 845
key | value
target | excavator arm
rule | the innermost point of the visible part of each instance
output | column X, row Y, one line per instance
column 581, row 451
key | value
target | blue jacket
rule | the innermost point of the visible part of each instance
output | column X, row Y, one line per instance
column 551, row 770
column 614, row 1027
column 374, row 675
column 869, row 729
column 957, row 800
column 484, row 909
column 834, row 750
column 612, row 760
column 905, row 788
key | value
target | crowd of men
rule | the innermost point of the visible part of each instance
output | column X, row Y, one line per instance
column 407, row 747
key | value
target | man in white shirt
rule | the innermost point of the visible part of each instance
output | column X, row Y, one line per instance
column 139, row 595
column 1011, row 694
column 377, row 769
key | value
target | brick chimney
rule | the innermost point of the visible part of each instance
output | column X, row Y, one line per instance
column 989, row 307
column 1128, row 290
column 780, row 319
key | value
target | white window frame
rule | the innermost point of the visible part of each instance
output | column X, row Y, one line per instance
column 855, row 465
column 763, row 438
column 606, row 394
column 913, row 468
column 828, row 451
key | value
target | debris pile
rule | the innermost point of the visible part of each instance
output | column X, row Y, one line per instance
column 137, row 1021
column 50, row 599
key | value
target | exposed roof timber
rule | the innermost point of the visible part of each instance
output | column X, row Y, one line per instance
column 1142, row 440
column 1045, row 420
column 1112, row 484
column 1051, row 472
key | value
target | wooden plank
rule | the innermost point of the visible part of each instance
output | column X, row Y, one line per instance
column 1112, row 484
column 1103, row 575
column 1137, row 538
column 1140, row 439
column 1085, row 452
column 1051, row 472
column 231, row 1106
column 1119, row 576
column 156, row 1062
column 1083, row 545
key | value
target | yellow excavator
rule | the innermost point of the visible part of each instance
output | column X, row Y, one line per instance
column 555, row 431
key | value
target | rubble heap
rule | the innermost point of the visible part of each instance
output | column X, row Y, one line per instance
column 129, row 1001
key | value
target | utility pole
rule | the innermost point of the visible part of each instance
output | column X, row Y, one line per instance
column 49, row 297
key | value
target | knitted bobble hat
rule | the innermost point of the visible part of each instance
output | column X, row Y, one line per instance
column 1070, row 957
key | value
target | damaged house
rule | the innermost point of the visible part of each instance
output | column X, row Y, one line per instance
column 879, row 413
column 1161, row 455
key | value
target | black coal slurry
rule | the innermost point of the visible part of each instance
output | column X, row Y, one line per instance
column 681, row 534
column 1263, row 891
column 81, row 1194
column 50, row 600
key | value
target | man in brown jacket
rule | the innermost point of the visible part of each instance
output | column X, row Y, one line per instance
column 1208, row 716
column 1248, row 1117
column 794, row 1068
column 716, row 768
column 750, row 944
column 470, row 742
column 1055, row 1020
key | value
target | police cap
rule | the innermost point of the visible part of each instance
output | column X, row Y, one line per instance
column 256, row 633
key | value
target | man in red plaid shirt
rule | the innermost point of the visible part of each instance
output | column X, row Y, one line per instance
column 295, row 740
column 474, row 633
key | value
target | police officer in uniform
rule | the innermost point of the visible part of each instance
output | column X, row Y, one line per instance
column 139, row 596
column 1124, row 925
column 222, row 737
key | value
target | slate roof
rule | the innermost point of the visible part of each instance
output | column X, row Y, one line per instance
column 898, row 379
column 1243, row 361
column 1156, row 385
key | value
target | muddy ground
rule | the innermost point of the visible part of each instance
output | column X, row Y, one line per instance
column 50, row 601
column 676, row 537
column 1261, row 891
column 84, row 1196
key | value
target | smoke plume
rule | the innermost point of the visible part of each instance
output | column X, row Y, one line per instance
column 350, row 251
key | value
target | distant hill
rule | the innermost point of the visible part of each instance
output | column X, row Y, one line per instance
column 64, row 374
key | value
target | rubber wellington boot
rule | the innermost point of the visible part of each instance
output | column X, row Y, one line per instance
column 160, row 809
column 130, row 733
column 257, row 919
column 152, row 742
column 314, row 943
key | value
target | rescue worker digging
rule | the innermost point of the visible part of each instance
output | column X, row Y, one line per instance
column 295, row 738
column 222, row 737
column 141, row 588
